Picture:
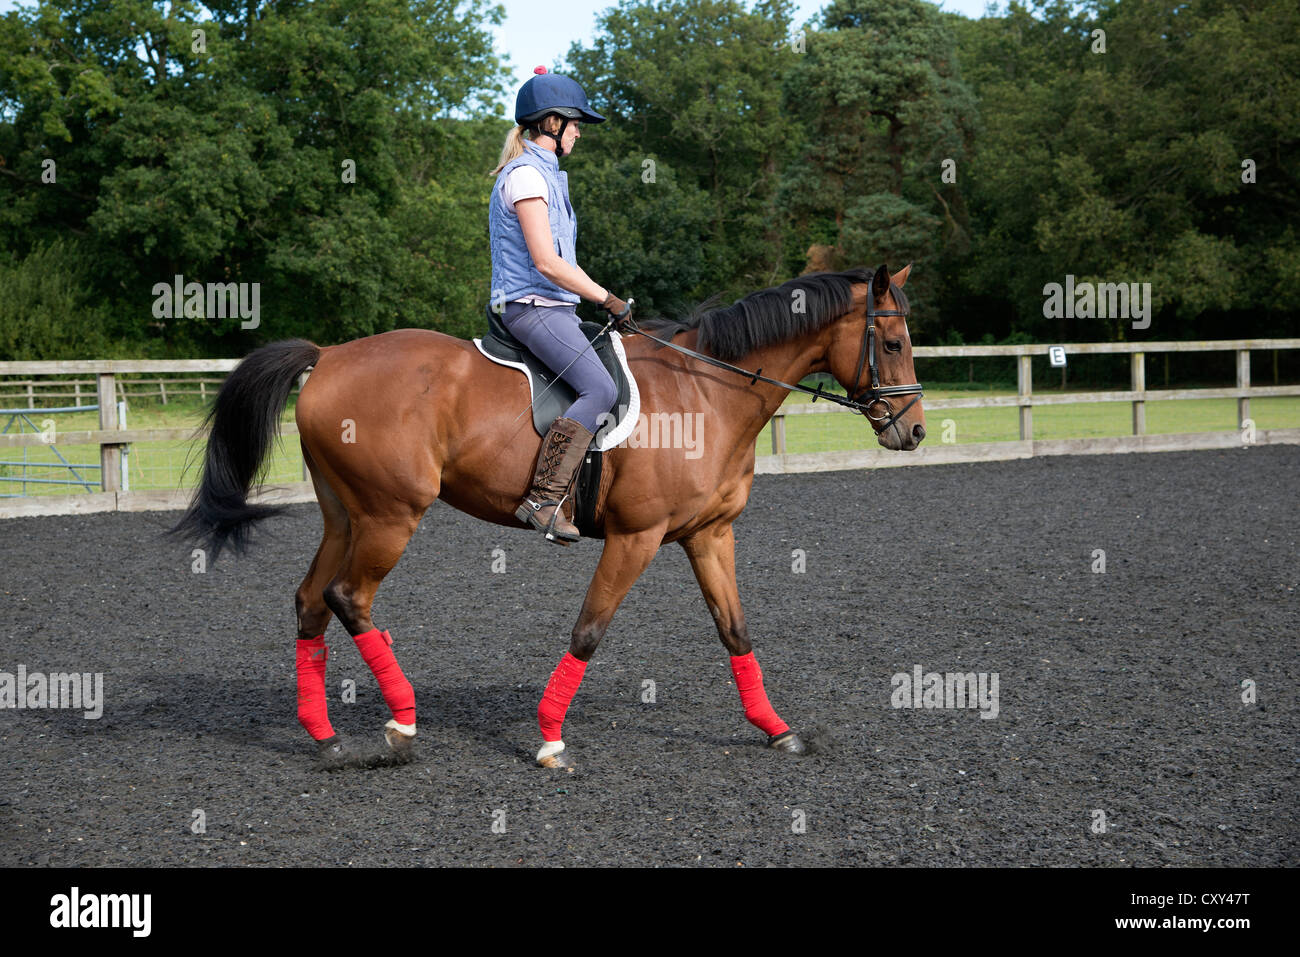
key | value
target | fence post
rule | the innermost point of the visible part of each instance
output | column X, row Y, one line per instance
column 1025, row 387
column 1243, row 382
column 110, row 456
column 124, row 455
column 1139, row 385
column 778, row 433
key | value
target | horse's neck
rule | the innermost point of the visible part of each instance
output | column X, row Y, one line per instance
column 787, row 361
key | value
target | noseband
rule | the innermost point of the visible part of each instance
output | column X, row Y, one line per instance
column 876, row 394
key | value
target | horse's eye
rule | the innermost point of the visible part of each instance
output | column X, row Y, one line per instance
column 894, row 345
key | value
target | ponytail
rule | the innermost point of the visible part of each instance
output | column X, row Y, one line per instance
column 514, row 144
column 513, row 147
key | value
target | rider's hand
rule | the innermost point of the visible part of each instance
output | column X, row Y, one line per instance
column 619, row 310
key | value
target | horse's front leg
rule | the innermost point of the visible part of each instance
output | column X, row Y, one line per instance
column 621, row 563
column 712, row 552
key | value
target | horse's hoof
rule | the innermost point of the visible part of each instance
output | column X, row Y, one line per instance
column 333, row 753
column 788, row 742
column 562, row 759
column 399, row 742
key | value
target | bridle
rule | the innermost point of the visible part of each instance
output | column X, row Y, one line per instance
column 875, row 394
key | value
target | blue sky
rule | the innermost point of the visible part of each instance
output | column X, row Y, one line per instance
column 541, row 32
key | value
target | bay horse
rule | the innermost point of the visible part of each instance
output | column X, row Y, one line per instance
column 390, row 423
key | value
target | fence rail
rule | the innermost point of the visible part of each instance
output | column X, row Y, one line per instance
column 31, row 391
column 112, row 438
column 1025, row 400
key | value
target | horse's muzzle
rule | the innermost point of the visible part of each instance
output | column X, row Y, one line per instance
column 898, row 438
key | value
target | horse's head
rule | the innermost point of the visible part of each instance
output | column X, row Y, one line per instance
column 870, row 354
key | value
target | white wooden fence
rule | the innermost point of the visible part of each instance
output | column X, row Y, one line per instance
column 936, row 453
column 16, row 393
column 111, row 438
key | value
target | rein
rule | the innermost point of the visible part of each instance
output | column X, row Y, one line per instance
column 875, row 394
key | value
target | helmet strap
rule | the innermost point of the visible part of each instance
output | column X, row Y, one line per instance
column 558, row 136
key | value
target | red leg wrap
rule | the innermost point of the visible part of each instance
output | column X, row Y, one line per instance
column 312, row 709
column 559, row 692
column 397, row 691
column 749, row 682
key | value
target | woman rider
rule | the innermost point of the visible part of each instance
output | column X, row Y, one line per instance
column 535, row 273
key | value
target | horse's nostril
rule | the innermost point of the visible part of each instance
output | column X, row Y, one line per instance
column 919, row 432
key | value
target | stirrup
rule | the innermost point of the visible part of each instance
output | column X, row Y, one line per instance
column 558, row 462
column 551, row 534
column 527, row 513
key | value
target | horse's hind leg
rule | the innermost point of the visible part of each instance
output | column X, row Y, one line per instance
column 374, row 548
column 313, row 616
column 712, row 552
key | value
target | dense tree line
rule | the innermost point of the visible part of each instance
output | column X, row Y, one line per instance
column 336, row 153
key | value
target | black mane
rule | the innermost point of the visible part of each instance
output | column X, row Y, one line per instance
column 766, row 317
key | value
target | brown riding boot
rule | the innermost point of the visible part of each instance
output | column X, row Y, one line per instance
column 562, row 452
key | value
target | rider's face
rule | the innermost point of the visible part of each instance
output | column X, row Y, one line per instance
column 571, row 135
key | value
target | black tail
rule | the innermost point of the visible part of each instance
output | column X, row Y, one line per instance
column 243, row 421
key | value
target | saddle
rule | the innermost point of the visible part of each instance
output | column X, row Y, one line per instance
column 552, row 396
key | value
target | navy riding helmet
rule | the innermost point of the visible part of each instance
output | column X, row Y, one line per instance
column 547, row 93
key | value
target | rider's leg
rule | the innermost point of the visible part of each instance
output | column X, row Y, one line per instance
column 551, row 333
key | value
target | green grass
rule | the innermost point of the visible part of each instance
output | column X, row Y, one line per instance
column 160, row 465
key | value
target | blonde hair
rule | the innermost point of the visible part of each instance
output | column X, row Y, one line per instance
column 514, row 144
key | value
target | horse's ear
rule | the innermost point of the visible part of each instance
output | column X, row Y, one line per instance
column 880, row 282
column 900, row 277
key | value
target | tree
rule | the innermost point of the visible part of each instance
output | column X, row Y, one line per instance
column 695, row 86
column 300, row 146
column 885, row 113
column 1117, row 156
